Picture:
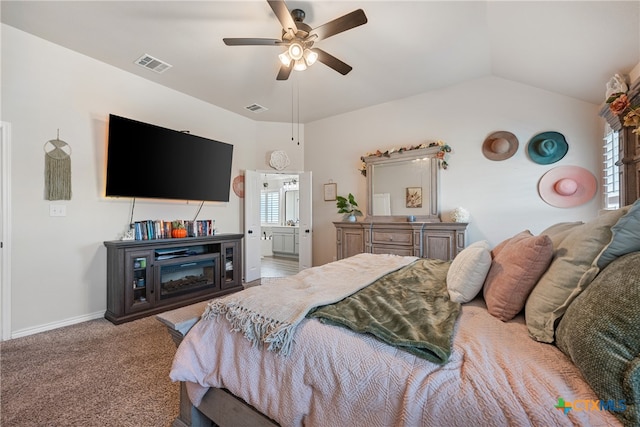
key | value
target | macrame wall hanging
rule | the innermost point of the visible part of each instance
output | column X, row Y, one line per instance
column 57, row 169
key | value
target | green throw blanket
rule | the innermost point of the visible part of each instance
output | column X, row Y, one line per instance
column 409, row 309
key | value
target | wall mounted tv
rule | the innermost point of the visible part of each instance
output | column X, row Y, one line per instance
column 149, row 161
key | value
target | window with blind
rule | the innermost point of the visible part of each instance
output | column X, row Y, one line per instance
column 270, row 207
column 611, row 175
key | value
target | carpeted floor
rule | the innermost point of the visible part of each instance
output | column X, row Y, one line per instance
column 90, row 374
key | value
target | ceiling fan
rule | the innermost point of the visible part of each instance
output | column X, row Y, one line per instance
column 300, row 37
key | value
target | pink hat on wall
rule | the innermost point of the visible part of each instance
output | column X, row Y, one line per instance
column 567, row 186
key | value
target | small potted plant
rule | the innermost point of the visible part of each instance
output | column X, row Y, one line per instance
column 348, row 206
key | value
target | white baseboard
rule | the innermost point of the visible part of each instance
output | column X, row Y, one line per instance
column 55, row 325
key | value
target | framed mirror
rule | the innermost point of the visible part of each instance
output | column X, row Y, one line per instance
column 291, row 207
column 404, row 184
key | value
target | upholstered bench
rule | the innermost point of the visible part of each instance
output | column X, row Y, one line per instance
column 180, row 320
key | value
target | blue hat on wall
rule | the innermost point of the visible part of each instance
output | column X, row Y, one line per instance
column 547, row 147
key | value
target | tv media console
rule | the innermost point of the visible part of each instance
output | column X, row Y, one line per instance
column 146, row 277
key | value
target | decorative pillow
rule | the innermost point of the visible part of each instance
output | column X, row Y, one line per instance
column 572, row 269
column 498, row 248
column 558, row 232
column 626, row 237
column 515, row 270
column 599, row 333
column 468, row 271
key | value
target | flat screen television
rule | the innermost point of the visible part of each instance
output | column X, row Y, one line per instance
column 149, row 161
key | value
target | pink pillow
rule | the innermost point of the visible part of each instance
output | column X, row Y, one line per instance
column 500, row 246
column 515, row 270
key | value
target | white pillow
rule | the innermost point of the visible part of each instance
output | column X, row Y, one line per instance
column 468, row 271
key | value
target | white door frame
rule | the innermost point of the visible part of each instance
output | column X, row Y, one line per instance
column 5, row 230
column 252, row 244
column 305, row 256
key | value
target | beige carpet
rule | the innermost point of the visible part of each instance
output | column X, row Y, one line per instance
column 90, row 374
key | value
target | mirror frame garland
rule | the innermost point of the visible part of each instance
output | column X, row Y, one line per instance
column 431, row 153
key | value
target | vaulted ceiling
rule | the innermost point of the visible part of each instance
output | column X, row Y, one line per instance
column 406, row 48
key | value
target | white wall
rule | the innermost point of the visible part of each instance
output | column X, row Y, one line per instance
column 59, row 263
column 277, row 136
column 501, row 196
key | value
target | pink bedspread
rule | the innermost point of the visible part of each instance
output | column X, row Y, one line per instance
column 496, row 376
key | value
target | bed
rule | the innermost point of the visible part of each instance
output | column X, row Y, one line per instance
column 540, row 330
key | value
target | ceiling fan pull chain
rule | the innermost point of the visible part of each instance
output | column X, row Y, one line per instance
column 292, row 111
column 298, row 88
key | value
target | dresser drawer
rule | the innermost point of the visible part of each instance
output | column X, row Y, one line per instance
column 394, row 250
column 396, row 237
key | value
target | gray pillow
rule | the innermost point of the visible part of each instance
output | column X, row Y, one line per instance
column 558, row 232
column 572, row 269
column 600, row 333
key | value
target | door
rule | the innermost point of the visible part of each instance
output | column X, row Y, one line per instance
column 305, row 238
column 251, row 226
column 230, row 266
column 5, row 231
column 138, row 281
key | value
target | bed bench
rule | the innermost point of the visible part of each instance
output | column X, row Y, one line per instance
column 219, row 406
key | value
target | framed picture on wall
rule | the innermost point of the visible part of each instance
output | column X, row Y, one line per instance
column 414, row 197
column 330, row 191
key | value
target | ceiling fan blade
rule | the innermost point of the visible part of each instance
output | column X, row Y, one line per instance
column 339, row 25
column 284, row 72
column 252, row 42
column 332, row 62
column 279, row 7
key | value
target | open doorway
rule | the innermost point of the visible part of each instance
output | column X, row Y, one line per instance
column 298, row 224
column 279, row 224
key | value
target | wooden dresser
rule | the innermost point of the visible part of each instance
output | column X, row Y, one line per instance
column 439, row 240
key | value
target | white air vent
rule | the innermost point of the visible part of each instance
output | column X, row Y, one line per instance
column 151, row 63
column 256, row 108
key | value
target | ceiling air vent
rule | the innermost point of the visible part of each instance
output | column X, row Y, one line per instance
column 256, row 108
column 151, row 63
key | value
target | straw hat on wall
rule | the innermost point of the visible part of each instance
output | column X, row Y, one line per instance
column 500, row 145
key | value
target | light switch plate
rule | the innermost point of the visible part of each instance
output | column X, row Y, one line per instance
column 57, row 210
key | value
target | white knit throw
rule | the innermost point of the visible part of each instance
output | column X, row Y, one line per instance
column 269, row 314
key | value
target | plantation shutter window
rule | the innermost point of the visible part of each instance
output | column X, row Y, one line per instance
column 270, row 207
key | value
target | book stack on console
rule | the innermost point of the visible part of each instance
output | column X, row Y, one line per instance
column 161, row 229
column 201, row 227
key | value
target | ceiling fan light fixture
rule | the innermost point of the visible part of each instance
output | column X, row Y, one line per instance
column 296, row 51
column 310, row 57
column 300, row 65
column 299, row 37
column 285, row 58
